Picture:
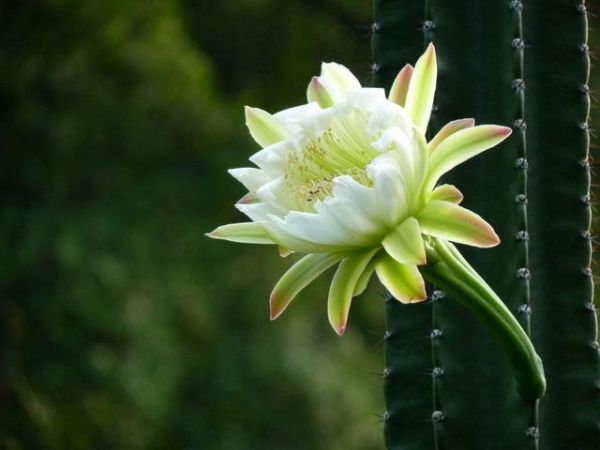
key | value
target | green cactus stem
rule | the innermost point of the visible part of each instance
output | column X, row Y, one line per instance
column 397, row 40
column 564, row 322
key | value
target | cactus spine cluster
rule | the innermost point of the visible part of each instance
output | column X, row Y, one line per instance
column 447, row 384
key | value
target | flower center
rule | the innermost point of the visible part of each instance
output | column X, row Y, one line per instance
column 344, row 148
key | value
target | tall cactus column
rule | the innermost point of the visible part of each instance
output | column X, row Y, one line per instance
column 480, row 52
column 564, row 320
column 397, row 40
column 522, row 64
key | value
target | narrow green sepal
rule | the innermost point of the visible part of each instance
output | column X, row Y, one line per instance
column 297, row 278
column 343, row 287
column 263, row 127
column 421, row 90
column 399, row 89
column 405, row 243
column 244, row 232
column 403, row 281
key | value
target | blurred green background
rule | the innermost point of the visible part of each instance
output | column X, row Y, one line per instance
column 122, row 326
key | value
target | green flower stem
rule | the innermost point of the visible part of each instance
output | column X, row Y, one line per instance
column 447, row 269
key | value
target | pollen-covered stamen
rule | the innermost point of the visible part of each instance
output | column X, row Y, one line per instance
column 344, row 148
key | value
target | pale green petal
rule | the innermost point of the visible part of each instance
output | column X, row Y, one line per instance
column 316, row 92
column 264, row 128
column 245, row 232
column 455, row 223
column 447, row 130
column 405, row 243
column 461, row 146
column 297, row 278
column 403, row 281
column 399, row 88
column 419, row 99
column 447, row 193
column 342, row 289
column 364, row 279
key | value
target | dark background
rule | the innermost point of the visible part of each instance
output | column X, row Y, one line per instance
column 121, row 325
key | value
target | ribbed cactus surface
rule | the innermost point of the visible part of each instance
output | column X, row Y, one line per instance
column 563, row 321
column 447, row 383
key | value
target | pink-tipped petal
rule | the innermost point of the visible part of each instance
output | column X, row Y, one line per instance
column 399, row 88
column 461, row 146
column 297, row 278
column 405, row 243
column 264, row 128
column 342, row 288
column 449, row 129
column 455, row 223
column 316, row 92
column 447, row 193
column 421, row 90
column 403, row 281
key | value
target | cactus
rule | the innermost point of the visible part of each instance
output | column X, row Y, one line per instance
column 447, row 384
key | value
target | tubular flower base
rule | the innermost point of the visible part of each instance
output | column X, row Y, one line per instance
column 349, row 180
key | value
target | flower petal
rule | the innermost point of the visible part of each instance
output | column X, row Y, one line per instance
column 405, row 243
column 316, row 92
column 297, row 278
column 276, row 229
column 461, row 146
column 364, row 279
column 342, row 288
column 403, row 281
column 447, row 193
column 251, row 178
column 338, row 81
column 421, row 90
column 447, row 130
column 245, row 232
column 455, row 223
column 257, row 211
column 264, row 128
column 400, row 86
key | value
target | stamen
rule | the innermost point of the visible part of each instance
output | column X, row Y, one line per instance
column 344, row 148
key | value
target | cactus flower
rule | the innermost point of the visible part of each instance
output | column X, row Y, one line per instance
column 349, row 180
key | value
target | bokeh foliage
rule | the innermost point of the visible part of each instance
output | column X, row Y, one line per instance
column 122, row 326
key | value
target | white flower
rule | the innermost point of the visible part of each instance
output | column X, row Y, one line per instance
column 349, row 179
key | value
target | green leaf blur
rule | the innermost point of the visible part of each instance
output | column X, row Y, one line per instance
column 122, row 326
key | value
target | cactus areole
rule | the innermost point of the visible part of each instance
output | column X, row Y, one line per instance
column 349, row 180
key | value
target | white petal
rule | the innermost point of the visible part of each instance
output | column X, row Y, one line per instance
column 338, row 81
column 392, row 199
column 386, row 114
column 251, row 178
column 276, row 228
column 258, row 211
column 271, row 159
column 292, row 117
